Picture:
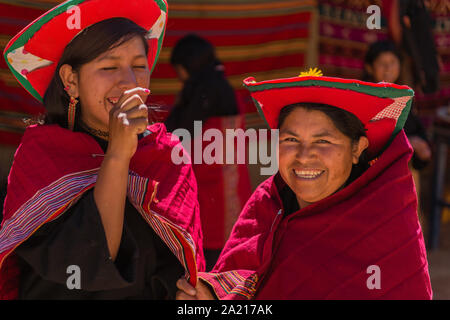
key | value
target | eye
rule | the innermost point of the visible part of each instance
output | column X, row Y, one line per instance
column 109, row 68
column 140, row 67
column 321, row 141
column 289, row 139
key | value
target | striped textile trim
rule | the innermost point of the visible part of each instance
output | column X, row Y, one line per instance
column 177, row 235
column 233, row 283
column 137, row 187
column 48, row 201
column 166, row 230
column 247, row 289
column 57, row 197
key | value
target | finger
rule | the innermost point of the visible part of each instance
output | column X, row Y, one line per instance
column 141, row 92
column 181, row 295
column 138, row 125
column 185, row 286
column 131, row 102
column 140, row 111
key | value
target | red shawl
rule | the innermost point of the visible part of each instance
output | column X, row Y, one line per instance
column 329, row 249
column 223, row 189
column 53, row 167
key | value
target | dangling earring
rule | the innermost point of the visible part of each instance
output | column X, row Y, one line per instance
column 71, row 110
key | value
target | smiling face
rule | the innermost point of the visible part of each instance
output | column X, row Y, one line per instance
column 315, row 158
column 99, row 83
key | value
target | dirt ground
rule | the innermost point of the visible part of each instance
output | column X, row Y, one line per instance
column 438, row 259
column 439, row 266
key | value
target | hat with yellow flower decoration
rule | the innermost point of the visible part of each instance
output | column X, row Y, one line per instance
column 381, row 107
column 33, row 54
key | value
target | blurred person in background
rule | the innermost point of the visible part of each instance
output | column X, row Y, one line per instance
column 383, row 64
column 206, row 92
column 411, row 28
column 207, row 96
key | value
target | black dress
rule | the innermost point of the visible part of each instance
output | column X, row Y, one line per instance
column 144, row 268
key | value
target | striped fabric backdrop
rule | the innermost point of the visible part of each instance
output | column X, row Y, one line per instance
column 344, row 36
column 344, row 39
column 440, row 11
column 261, row 38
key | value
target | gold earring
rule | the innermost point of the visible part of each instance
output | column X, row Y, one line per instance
column 71, row 113
column 71, row 110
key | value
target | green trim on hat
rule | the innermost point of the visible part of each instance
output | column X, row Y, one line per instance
column 162, row 5
column 25, row 83
column 398, row 126
column 27, row 35
column 35, row 26
column 382, row 92
column 260, row 111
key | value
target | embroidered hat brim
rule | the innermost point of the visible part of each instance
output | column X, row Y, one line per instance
column 382, row 107
column 33, row 54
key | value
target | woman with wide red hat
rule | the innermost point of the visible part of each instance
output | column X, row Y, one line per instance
column 95, row 207
column 339, row 220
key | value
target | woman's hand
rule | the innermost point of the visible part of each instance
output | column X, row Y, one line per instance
column 188, row 292
column 127, row 119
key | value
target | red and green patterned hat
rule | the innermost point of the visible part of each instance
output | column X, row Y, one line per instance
column 381, row 107
column 33, row 54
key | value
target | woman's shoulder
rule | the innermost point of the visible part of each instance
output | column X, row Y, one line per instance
column 53, row 139
column 158, row 136
column 158, row 154
column 265, row 198
column 37, row 132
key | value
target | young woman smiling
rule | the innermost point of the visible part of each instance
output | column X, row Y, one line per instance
column 342, row 204
column 94, row 189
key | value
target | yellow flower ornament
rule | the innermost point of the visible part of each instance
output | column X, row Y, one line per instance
column 311, row 73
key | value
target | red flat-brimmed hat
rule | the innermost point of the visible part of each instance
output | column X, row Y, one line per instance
column 33, row 54
column 381, row 107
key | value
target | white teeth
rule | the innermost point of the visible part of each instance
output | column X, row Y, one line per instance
column 307, row 174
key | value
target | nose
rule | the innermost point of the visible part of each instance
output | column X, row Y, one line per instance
column 305, row 153
column 127, row 79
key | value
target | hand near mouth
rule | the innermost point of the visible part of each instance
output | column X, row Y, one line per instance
column 127, row 119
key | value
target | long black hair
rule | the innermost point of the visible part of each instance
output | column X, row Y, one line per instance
column 207, row 93
column 84, row 48
column 344, row 121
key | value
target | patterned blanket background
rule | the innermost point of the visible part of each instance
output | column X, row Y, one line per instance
column 261, row 38
column 345, row 38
